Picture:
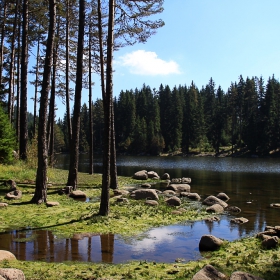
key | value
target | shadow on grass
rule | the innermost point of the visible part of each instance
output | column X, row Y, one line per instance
column 83, row 218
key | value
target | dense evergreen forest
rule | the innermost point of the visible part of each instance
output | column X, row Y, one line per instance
column 150, row 121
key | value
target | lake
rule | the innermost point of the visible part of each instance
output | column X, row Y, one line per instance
column 251, row 183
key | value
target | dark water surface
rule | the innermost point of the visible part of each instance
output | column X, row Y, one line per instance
column 251, row 183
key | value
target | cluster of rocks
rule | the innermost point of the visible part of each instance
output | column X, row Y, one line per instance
column 270, row 236
column 209, row 272
column 9, row 273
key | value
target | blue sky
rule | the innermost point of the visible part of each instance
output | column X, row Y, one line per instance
column 222, row 39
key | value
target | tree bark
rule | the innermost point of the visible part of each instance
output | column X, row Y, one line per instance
column 23, row 93
column 74, row 150
column 40, row 195
column 69, row 123
column 90, row 110
column 113, row 165
column 104, row 208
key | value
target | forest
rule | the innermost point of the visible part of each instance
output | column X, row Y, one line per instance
column 150, row 121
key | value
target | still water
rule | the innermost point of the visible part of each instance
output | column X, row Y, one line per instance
column 251, row 183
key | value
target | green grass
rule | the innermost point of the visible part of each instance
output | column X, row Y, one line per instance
column 73, row 216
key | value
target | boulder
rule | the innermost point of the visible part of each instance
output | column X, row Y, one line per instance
column 6, row 255
column 169, row 192
column 11, row 184
column 153, row 175
column 52, row 203
column 193, row 196
column 173, row 201
column 146, row 186
column 233, row 209
column 179, row 188
column 2, row 204
column 145, row 194
column 215, row 208
column 16, row 194
column 118, row 192
column 212, row 219
column 239, row 275
column 77, row 194
column 240, row 220
column 208, row 272
column 151, row 202
column 141, row 175
column 209, row 243
column 267, row 233
column 186, row 180
column 211, row 200
column 222, row 196
column 12, row 274
column 270, row 242
column 165, row 176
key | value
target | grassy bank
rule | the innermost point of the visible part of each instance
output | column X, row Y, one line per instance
column 72, row 216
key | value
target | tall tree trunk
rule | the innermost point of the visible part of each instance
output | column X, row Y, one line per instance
column 68, row 114
column 90, row 110
column 104, row 208
column 18, row 85
column 113, row 165
column 113, row 160
column 74, row 150
column 4, row 7
column 36, row 88
column 50, row 129
column 23, row 93
column 40, row 195
column 12, row 70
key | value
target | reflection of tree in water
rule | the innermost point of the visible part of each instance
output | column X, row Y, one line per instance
column 107, row 247
column 209, row 225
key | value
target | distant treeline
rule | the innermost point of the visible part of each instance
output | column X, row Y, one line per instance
column 150, row 121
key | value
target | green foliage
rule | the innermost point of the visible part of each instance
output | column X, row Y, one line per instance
column 7, row 139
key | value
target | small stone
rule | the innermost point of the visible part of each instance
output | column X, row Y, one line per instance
column 239, row 220
column 78, row 194
column 52, row 203
column 151, row 202
column 2, row 204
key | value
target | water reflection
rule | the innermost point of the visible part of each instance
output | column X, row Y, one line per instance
column 163, row 244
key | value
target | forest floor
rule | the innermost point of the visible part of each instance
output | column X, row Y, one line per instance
column 72, row 217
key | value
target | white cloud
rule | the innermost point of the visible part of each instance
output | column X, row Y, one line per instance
column 148, row 63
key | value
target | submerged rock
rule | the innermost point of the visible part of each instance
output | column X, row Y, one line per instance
column 215, row 208
column 222, row 196
column 211, row 200
column 239, row 220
